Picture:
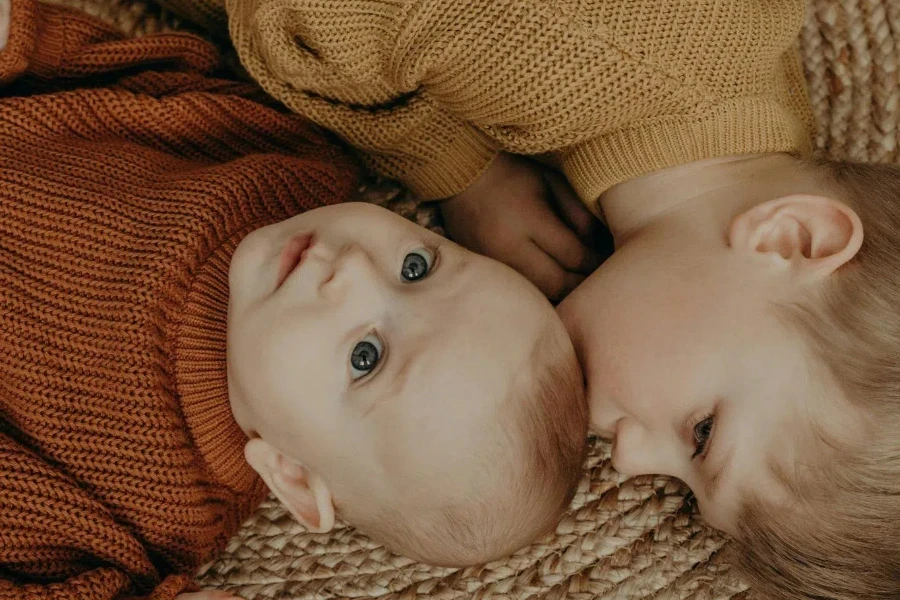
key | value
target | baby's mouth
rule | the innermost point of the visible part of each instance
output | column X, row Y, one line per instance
column 293, row 254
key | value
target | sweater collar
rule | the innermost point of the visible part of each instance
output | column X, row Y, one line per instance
column 201, row 374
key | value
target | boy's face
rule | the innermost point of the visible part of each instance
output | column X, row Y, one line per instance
column 693, row 373
column 377, row 353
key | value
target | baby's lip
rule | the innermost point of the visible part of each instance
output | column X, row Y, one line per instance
column 292, row 255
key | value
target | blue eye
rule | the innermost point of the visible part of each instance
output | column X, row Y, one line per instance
column 365, row 356
column 416, row 265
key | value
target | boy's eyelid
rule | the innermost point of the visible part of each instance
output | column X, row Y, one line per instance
column 688, row 433
column 710, row 440
column 687, row 427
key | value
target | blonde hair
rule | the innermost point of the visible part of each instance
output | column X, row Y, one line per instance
column 842, row 540
column 533, row 477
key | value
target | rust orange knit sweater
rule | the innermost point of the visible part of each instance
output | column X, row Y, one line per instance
column 121, row 467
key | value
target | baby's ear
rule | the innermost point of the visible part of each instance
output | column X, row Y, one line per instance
column 814, row 235
column 302, row 492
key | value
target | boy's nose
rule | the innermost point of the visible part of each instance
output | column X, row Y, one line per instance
column 637, row 451
column 604, row 417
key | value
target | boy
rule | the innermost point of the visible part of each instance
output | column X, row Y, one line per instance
column 741, row 273
column 136, row 435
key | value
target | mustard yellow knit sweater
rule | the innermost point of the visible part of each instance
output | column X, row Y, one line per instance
column 607, row 90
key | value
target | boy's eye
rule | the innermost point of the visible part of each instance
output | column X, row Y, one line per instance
column 416, row 265
column 702, row 432
column 365, row 356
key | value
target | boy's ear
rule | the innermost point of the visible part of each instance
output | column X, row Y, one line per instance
column 814, row 235
column 302, row 492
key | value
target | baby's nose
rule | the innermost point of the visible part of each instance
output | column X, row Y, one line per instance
column 354, row 269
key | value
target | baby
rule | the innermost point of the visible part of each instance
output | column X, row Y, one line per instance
column 743, row 335
column 371, row 369
column 426, row 393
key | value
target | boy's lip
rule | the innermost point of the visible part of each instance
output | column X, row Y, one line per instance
column 292, row 255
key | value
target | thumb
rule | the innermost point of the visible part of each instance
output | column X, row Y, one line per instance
column 208, row 595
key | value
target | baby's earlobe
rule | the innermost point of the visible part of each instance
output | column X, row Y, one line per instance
column 304, row 493
column 306, row 496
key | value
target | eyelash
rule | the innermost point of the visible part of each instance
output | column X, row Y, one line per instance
column 701, row 447
column 435, row 250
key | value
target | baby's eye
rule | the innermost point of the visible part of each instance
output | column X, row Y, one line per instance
column 416, row 265
column 702, row 432
column 365, row 356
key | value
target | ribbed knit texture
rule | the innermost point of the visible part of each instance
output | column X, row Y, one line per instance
column 608, row 90
column 121, row 467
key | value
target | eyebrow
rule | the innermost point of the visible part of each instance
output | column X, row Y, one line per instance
column 459, row 264
column 398, row 381
column 714, row 485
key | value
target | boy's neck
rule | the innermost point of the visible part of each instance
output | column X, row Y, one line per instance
column 730, row 184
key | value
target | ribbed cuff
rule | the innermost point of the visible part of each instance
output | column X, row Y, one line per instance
column 201, row 373
column 21, row 44
column 446, row 167
column 744, row 126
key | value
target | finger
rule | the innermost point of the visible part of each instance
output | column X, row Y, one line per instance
column 379, row 192
column 4, row 22
column 207, row 595
column 570, row 207
column 560, row 242
column 544, row 272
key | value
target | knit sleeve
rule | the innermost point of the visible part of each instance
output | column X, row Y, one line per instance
column 52, row 530
column 52, row 48
column 368, row 70
column 608, row 90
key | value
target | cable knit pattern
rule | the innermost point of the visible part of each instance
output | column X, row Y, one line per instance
column 121, row 466
column 608, row 90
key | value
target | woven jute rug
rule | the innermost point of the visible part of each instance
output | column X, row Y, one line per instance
column 622, row 539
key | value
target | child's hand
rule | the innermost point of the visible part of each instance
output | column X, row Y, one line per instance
column 207, row 595
column 4, row 22
column 512, row 214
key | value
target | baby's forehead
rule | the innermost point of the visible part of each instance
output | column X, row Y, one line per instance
column 452, row 415
column 450, row 442
column 464, row 355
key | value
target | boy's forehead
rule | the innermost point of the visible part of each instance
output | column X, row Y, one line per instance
column 769, row 451
column 799, row 451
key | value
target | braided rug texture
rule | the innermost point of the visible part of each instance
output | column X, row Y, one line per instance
column 622, row 540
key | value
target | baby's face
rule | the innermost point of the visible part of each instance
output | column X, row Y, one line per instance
column 694, row 374
column 378, row 354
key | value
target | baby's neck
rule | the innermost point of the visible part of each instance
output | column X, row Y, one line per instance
column 726, row 185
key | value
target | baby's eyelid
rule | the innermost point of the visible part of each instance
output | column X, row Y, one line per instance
column 435, row 250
